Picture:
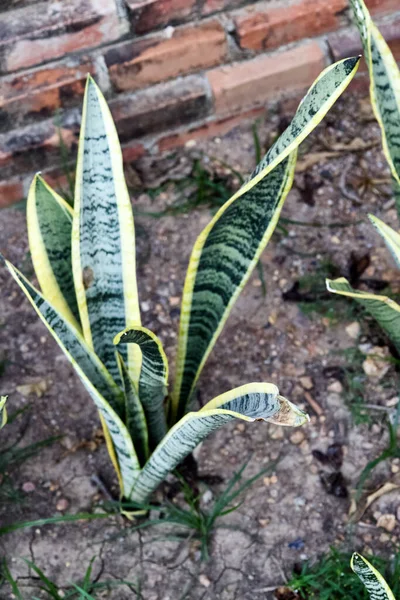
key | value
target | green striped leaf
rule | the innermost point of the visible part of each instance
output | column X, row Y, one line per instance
column 97, row 381
column 49, row 220
column 3, row 411
column 391, row 237
column 254, row 401
column 153, row 382
column 135, row 419
column 383, row 309
column 103, row 237
column 228, row 249
column 385, row 84
column 376, row 586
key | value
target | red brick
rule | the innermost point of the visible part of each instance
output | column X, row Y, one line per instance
column 163, row 106
column 273, row 26
column 382, row 6
column 147, row 15
column 10, row 192
column 132, row 151
column 242, row 85
column 348, row 43
column 211, row 6
column 188, row 50
column 48, row 30
column 208, row 130
column 39, row 93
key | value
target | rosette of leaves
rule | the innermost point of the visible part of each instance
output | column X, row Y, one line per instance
column 84, row 259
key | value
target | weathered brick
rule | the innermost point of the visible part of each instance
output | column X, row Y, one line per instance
column 39, row 93
column 211, row 6
column 208, row 130
column 10, row 192
column 132, row 151
column 139, row 64
column 35, row 147
column 163, row 106
column 382, row 6
column 264, row 26
column 348, row 43
column 48, row 30
column 242, row 85
column 147, row 15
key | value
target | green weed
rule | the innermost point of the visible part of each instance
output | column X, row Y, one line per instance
column 197, row 522
column 87, row 589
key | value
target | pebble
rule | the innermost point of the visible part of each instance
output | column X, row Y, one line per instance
column 62, row 504
column 297, row 437
column 207, row 496
column 204, row 581
column 335, row 387
column 307, row 382
column 28, row 487
column 387, row 521
column 276, row 432
column 174, row 300
column 353, row 330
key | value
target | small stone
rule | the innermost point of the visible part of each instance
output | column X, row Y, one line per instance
column 264, row 522
column 392, row 401
column 376, row 366
column 307, row 382
column 273, row 479
column 266, row 481
column 395, row 468
column 28, row 487
column 387, row 521
column 335, row 240
column 62, row 504
column 335, row 387
column 276, row 432
column 241, row 427
column 297, row 437
column 353, row 330
column 204, row 581
column 207, row 496
column 174, row 300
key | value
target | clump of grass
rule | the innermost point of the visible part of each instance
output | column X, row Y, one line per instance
column 86, row 589
column 331, row 578
column 194, row 521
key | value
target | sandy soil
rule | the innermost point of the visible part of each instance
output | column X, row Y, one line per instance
column 286, row 518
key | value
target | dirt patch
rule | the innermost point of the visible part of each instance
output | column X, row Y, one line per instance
column 285, row 519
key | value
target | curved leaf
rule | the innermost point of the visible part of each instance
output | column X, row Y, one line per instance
column 382, row 308
column 49, row 220
column 254, row 401
column 227, row 250
column 135, row 419
column 103, row 237
column 153, row 381
column 97, row 381
column 376, row 586
column 3, row 411
column 385, row 84
column 391, row 237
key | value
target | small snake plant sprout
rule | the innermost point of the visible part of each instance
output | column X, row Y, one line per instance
column 84, row 259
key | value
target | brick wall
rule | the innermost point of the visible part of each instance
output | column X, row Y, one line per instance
column 172, row 70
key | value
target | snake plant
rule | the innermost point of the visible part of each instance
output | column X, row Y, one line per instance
column 84, row 259
column 375, row 584
column 3, row 411
column 384, row 89
column 384, row 310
